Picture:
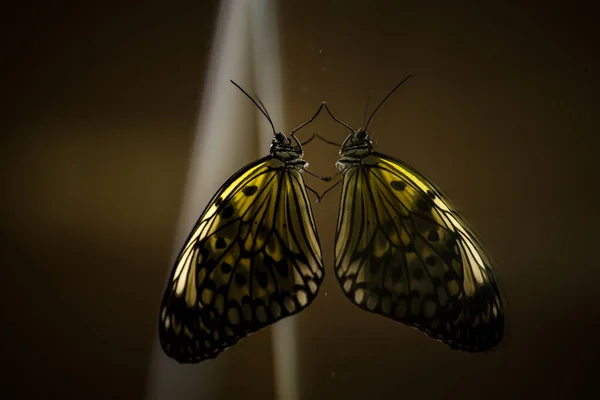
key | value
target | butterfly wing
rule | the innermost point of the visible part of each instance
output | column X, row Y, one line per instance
column 403, row 251
column 252, row 259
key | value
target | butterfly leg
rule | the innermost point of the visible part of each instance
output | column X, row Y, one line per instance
column 302, row 125
column 320, row 196
column 322, row 178
column 328, row 190
column 316, row 135
column 339, row 121
column 313, row 192
column 309, row 140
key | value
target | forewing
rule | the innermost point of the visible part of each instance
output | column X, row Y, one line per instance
column 404, row 252
column 252, row 259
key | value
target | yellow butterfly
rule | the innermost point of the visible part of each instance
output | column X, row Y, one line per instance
column 403, row 251
column 253, row 257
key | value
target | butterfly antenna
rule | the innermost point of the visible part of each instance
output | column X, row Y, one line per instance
column 385, row 99
column 263, row 111
column 263, row 107
column 367, row 108
column 298, row 144
column 339, row 121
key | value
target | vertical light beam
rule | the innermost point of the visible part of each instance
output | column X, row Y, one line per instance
column 267, row 77
column 224, row 136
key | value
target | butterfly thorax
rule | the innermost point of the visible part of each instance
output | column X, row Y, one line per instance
column 291, row 155
column 355, row 150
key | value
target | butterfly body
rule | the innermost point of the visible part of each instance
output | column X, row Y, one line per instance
column 355, row 150
column 404, row 252
column 252, row 258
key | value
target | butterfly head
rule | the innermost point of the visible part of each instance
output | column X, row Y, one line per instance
column 357, row 143
column 283, row 148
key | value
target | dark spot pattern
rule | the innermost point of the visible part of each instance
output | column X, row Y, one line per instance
column 250, row 190
column 451, row 243
column 374, row 266
column 423, row 205
column 226, row 267
column 227, row 212
column 396, row 273
column 240, row 279
column 282, row 268
column 262, row 278
column 418, row 273
column 433, row 236
column 398, row 185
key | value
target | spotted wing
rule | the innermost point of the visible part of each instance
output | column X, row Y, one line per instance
column 252, row 259
column 404, row 252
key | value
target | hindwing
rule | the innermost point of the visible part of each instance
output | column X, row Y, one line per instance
column 403, row 251
column 252, row 259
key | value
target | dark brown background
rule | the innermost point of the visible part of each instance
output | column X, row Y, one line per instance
column 100, row 107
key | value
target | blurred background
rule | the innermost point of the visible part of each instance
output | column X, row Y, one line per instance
column 101, row 104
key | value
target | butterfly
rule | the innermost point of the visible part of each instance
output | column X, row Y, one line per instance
column 403, row 251
column 252, row 258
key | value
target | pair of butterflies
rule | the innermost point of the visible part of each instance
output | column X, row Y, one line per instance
column 401, row 251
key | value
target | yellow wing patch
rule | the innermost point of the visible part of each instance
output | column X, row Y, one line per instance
column 252, row 259
column 404, row 252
